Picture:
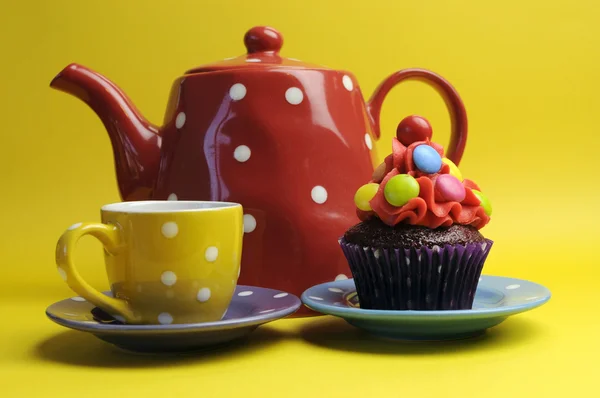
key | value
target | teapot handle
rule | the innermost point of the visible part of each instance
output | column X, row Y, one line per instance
column 456, row 108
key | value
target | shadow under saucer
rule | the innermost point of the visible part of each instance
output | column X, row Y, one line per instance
column 336, row 334
column 82, row 349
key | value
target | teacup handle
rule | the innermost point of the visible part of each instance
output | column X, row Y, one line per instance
column 453, row 102
column 109, row 235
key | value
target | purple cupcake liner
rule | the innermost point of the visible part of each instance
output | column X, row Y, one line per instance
column 441, row 278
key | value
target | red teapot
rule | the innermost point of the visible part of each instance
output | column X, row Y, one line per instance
column 288, row 140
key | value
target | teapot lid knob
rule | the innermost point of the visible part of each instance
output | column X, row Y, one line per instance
column 263, row 39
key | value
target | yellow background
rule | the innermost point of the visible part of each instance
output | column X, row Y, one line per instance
column 529, row 74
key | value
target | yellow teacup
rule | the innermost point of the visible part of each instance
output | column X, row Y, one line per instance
column 167, row 261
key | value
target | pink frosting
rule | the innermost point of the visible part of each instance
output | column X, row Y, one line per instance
column 423, row 210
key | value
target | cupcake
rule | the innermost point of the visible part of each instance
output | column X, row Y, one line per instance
column 418, row 245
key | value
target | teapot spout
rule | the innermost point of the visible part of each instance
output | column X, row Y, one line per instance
column 135, row 141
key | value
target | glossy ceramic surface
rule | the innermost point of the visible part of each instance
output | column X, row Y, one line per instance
column 259, row 130
column 166, row 262
column 250, row 307
column 496, row 299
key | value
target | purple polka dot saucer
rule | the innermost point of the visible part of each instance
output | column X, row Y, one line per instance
column 250, row 307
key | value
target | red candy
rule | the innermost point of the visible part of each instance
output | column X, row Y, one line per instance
column 413, row 129
column 449, row 189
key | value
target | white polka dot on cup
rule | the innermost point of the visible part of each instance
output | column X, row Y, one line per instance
column 165, row 318
column 245, row 293
column 249, row 223
column 237, row 91
column 341, row 277
column 319, row 194
column 172, row 197
column 368, row 141
column 315, row 298
column 180, row 120
column 203, row 295
column 280, row 295
column 294, row 95
column 169, row 229
column 347, row 81
column 211, row 254
column 512, row 287
column 74, row 226
column 168, row 278
column 335, row 290
column 242, row 153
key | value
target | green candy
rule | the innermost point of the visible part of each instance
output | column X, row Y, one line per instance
column 400, row 189
column 484, row 202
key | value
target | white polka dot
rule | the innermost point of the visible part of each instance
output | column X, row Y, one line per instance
column 335, row 290
column 436, row 248
column 169, row 229
column 172, row 197
column 531, row 298
column 294, row 95
column 245, row 293
column 237, row 91
column 120, row 318
column 62, row 273
column 211, row 254
column 168, row 278
column 203, row 295
column 170, row 293
column 242, row 153
column 266, row 311
column 347, row 81
column 407, row 261
column 229, row 59
column 180, row 120
column 295, row 59
column 483, row 245
column 368, row 141
column 280, row 295
column 512, row 287
column 377, row 253
column 165, row 318
column 74, row 226
column 253, row 60
column 341, row 277
column 319, row 194
column 315, row 298
column 249, row 223
column 439, row 269
column 80, row 299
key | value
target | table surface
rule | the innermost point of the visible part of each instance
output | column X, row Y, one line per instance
column 550, row 351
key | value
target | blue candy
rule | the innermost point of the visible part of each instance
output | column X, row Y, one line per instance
column 427, row 159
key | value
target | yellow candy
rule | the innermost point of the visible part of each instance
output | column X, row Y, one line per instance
column 364, row 194
column 453, row 169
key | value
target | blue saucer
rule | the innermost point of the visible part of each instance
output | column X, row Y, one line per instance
column 250, row 307
column 496, row 299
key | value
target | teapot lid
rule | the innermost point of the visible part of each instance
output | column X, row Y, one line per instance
column 263, row 44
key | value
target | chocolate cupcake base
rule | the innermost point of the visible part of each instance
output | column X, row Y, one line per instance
column 443, row 277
